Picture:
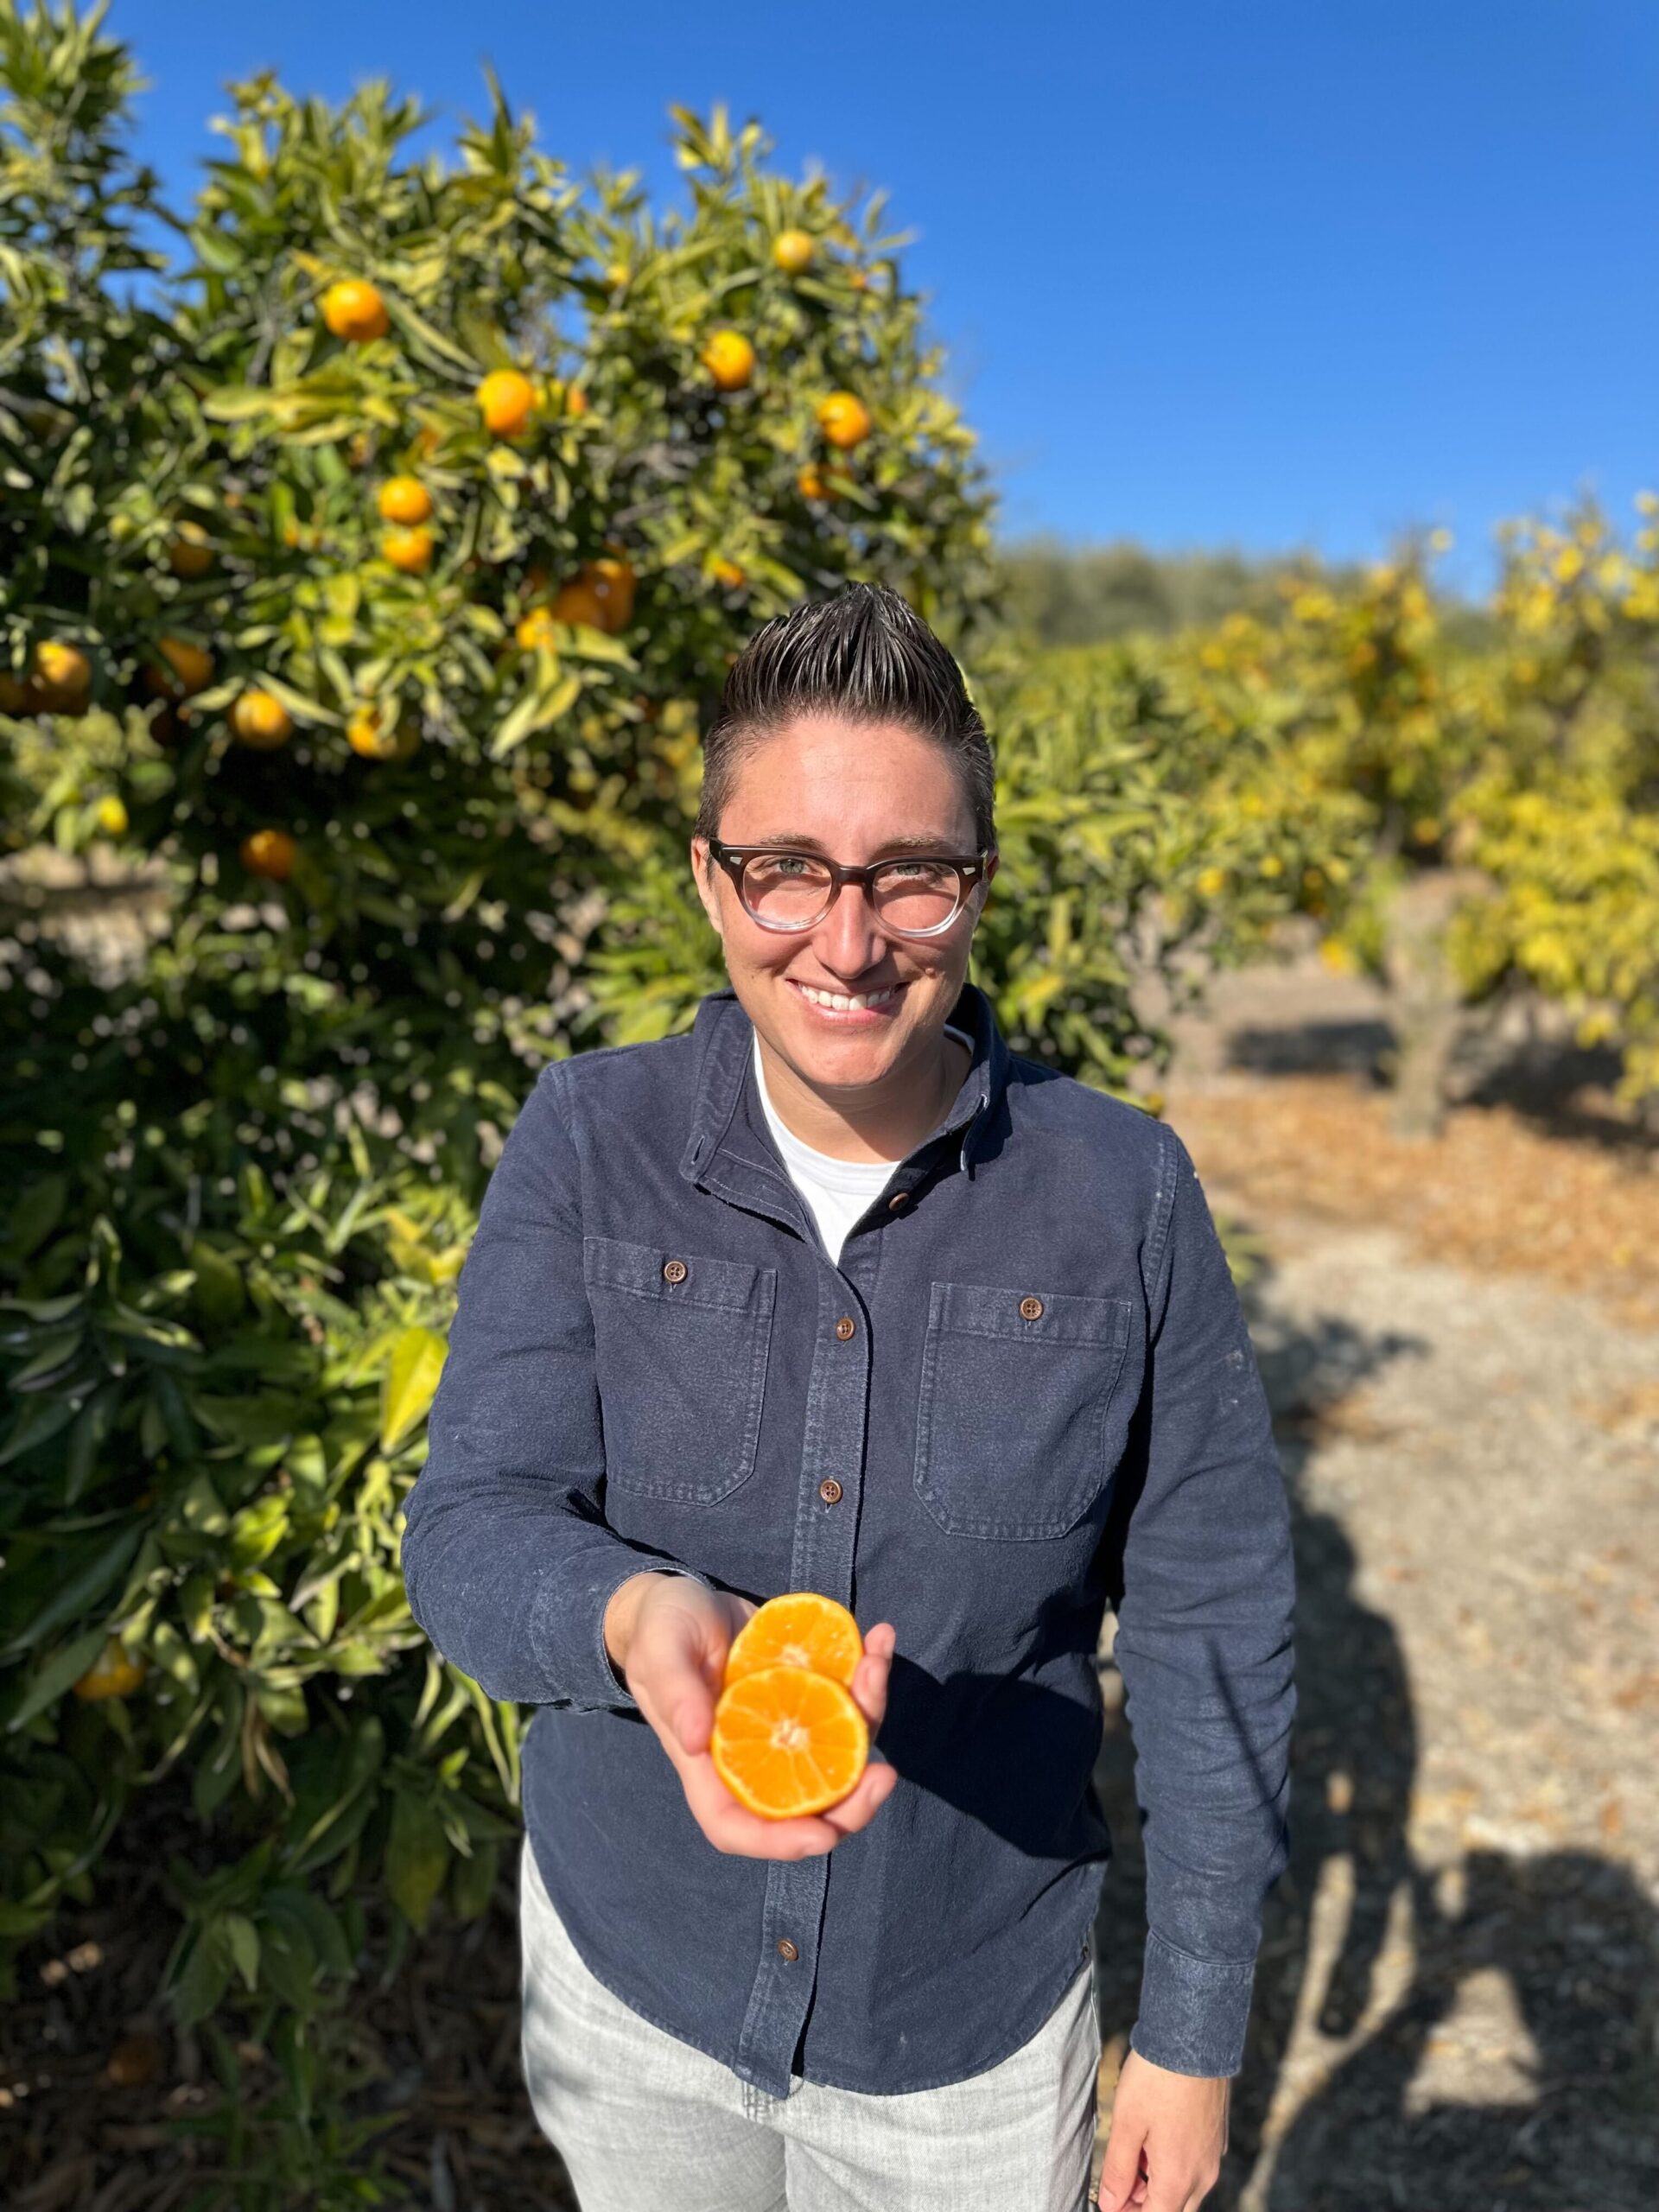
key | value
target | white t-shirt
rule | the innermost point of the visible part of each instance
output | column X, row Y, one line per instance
column 837, row 1191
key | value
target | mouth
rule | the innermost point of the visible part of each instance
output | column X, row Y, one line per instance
column 849, row 1009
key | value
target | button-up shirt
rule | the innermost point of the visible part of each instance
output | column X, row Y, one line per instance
column 1026, row 1392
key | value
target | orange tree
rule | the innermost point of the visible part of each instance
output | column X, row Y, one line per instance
column 402, row 537
column 1488, row 803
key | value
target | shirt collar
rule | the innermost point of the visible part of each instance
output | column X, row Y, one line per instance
column 723, row 1045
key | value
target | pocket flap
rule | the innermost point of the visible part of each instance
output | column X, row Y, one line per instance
column 732, row 1286
column 977, row 1310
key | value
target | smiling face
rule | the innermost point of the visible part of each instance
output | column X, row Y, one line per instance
column 858, row 793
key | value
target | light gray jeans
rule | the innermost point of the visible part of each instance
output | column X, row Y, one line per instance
column 642, row 2119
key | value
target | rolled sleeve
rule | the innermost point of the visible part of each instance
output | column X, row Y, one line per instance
column 507, row 1558
column 1205, row 1646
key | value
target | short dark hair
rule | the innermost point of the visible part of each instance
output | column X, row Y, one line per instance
column 863, row 655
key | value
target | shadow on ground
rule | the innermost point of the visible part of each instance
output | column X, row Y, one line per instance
column 1570, row 1933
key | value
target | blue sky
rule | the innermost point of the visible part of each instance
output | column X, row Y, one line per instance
column 1265, row 273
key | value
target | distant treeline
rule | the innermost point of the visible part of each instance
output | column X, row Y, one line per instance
column 1067, row 594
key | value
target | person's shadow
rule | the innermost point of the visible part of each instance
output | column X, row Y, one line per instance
column 1572, row 1934
column 1573, row 1938
column 1353, row 1756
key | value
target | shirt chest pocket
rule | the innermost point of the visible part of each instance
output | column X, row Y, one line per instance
column 680, row 1347
column 1021, row 1420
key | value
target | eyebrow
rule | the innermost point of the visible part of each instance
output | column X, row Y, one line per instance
column 887, row 845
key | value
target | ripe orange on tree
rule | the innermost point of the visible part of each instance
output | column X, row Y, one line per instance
column 114, row 1672
column 370, row 734
column 811, row 483
column 188, row 670
column 506, row 399
column 354, row 310
column 612, row 581
column 63, row 675
column 787, row 1741
column 191, row 553
column 600, row 595
column 111, row 817
column 803, row 1628
column 844, row 418
column 270, row 852
column 404, row 499
column 792, row 250
column 261, row 721
column 729, row 359
column 409, row 550
column 727, row 572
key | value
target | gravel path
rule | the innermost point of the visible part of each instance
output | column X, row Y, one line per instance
column 1456, row 2002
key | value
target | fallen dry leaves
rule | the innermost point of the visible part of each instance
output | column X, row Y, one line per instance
column 1494, row 1193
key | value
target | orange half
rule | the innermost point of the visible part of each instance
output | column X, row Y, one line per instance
column 800, row 1628
column 787, row 1741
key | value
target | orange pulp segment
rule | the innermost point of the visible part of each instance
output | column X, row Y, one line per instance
column 800, row 1628
column 787, row 1741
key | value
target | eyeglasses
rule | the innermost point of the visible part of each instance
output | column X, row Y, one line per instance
column 918, row 896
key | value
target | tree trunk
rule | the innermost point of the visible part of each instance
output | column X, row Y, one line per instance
column 1427, row 1004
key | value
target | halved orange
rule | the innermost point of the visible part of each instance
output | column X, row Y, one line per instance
column 788, row 1741
column 800, row 1628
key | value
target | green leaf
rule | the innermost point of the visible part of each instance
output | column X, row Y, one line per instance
column 59, row 1673
column 417, row 1858
column 81, row 1589
column 410, row 1383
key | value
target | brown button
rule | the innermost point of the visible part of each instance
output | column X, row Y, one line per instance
column 674, row 1271
column 899, row 1198
column 846, row 1327
column 829, row 1491
column 786, row 1949
column 1032, row 1308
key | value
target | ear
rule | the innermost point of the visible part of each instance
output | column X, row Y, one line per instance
column 705, row 875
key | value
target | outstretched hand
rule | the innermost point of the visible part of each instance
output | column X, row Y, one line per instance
column 672, row 1639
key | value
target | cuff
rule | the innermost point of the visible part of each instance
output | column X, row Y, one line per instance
column 1193, row 2011
column 569, row 1630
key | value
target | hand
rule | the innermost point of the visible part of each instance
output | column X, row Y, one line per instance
column 670, row 1637
column 1163, row 2153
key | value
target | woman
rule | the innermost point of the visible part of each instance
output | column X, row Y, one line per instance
column 834, row 1293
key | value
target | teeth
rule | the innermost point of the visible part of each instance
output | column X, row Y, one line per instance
column 840, row 999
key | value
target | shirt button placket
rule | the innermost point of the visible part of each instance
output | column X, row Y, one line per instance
column 821, row 1559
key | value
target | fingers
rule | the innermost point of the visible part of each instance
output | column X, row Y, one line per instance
column 1123, row 2171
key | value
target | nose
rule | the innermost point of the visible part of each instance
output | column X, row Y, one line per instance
column 849, row 939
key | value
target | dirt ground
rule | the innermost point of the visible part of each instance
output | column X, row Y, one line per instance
column 1457, row 2002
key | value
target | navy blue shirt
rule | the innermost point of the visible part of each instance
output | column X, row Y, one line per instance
column 1026, row 1392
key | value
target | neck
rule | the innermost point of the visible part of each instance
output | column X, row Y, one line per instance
column 884, row 1121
